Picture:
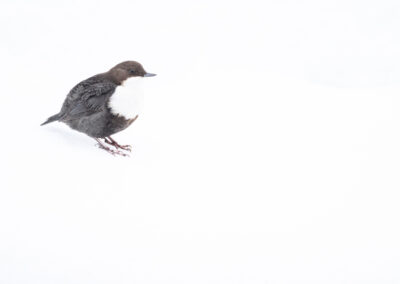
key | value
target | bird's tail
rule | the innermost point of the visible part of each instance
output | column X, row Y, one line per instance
column 52, row 118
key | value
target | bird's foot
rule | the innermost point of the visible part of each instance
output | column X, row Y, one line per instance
column 114, row 143
column 109, row 150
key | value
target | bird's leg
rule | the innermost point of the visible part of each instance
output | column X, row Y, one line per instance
column 109, row 150
column 108, row 141
column 114, row 143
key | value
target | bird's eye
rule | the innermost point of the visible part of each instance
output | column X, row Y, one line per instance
column 132, row 71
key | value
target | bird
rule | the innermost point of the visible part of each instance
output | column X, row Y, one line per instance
column 105, row 104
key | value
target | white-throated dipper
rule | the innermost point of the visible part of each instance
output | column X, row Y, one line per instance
column 105, row 104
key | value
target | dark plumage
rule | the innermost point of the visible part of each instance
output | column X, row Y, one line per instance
column 86, row 107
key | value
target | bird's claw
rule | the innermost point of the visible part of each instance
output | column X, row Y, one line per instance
column 111, row 151
column 124, row 147
column 114, row 143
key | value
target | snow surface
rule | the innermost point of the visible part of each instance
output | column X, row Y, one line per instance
column 267, row 151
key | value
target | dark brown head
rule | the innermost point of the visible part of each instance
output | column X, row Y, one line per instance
column 127, row 69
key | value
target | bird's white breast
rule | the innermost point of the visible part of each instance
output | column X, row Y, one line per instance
column 128, row 98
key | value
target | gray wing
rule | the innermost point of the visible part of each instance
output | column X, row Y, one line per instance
column 87, row 98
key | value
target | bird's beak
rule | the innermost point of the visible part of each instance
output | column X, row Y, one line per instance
column 149, row 75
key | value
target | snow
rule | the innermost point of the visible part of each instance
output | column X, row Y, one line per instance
column 267, row 150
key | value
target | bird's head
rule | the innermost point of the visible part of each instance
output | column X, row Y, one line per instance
column 128, row 69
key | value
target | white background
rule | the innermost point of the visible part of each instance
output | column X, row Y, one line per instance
column 268, row 150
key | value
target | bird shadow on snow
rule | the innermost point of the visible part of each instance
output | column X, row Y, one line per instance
column 70, row 138
column 61, row 139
